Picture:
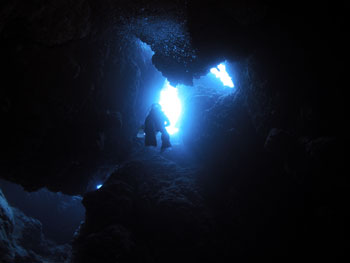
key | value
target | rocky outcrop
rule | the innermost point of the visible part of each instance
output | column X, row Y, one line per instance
column 22, row 240
column 218, row 124
column 65, row 212
column 149, row 210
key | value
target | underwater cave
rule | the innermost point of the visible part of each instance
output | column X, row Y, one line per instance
column 250, row 105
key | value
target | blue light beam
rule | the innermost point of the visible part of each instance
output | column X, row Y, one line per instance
column 171, row 106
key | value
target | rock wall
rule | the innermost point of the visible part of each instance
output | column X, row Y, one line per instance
column 74, row 79
column 149, row 210
column 272, row 152
column 73, row 99
column 22, row 240
column 65, row 212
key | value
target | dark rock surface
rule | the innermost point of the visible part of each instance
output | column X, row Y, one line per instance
column 267, row 181
column 149, row 210
column 22, row 240
column 157, row 208
column 59, row 214
column 76, row 102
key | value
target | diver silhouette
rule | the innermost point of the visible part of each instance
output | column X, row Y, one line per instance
column 155, row 122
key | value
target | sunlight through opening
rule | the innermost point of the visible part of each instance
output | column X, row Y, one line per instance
column 221, row 73
column 171, row 106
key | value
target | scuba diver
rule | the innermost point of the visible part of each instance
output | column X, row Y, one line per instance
column 155, row 122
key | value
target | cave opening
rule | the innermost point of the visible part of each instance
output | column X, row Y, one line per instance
column 171, row 106
column 173, row 98
column 255, row 168
column 221, row 73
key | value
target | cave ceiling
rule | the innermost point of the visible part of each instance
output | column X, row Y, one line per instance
column 186, row 36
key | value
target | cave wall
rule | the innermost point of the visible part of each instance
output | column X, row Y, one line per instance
column 68, row 111
column 66, row 212
column 22, row 239
column 282, row 60
column 74, row 79
column 73, row 98
column 74, row 82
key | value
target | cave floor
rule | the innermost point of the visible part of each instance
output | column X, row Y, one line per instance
column 155, row 198
column 158, row 204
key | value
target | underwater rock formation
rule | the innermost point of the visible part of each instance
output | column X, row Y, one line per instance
column 75, row 89
column 148, row 210
column 79, row 60
column 22, row 240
